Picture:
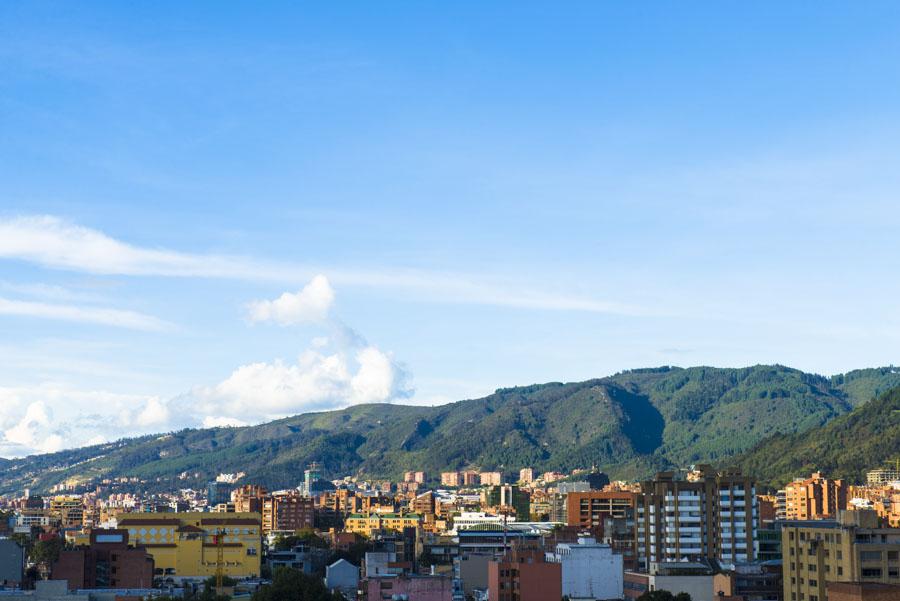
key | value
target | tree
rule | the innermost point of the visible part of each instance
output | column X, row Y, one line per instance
column 306, row 536
column 663, row 596
column 45, row 552
column 289, row 584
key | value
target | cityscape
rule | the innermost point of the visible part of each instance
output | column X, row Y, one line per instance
column 449, row 301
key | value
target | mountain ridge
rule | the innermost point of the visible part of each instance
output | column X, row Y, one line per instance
column 630, row 424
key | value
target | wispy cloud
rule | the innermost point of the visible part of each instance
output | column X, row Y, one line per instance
column 97, row 315
column 57, row 244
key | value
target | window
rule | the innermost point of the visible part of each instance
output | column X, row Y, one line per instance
column 892, row 555
column 870, row 555
column 811, row 567
column 871, row 572
column 840, row 571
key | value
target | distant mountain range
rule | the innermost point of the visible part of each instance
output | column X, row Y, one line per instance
column 630, row 425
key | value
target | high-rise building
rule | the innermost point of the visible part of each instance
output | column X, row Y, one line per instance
column 450, row 479
column 469, row 478
column 588, row 509
column 853, row 548
column 217, row 492
column 610, row 514
column 526, row 475
column 491, row 478
column 697, row 515
column 814, row 498
column 417, row 477
column 287, row 511
column 249, row 499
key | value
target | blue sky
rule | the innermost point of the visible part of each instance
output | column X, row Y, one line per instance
column 454, row 197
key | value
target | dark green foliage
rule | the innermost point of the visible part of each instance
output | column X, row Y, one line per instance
column 45, row 552
column 285, row 543
column 630, row 425
column 293, row 585
column 845, row 448
column 663, row 596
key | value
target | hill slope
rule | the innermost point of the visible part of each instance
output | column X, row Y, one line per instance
column 629, row 424
column 844, row 448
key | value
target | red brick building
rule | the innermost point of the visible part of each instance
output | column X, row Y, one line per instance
column 108, row 562
column 524, row 575
column 862, row 591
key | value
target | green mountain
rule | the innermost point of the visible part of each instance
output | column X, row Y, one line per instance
column 846, row 447
column 629, row 424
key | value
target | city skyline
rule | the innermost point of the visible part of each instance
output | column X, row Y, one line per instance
column 212, row 218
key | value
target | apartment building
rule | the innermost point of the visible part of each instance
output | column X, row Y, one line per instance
column 287, row 511
column 697, row 515
column 369, row 524
column 491, row 478
column 450, row 479
column 814, row 498
column 853, row 548
column 187, row 544
column 882, row 476
column 524, row 575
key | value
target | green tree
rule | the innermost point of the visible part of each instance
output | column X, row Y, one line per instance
column 289, row 584
column 45, row 552
column 306, row 536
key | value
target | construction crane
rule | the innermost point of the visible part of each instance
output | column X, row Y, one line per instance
column 219, row 540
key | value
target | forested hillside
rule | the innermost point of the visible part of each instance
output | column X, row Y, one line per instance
column 629, row 424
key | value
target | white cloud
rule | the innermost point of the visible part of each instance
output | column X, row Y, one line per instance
column 54, row 243
column 316, row 381
column 311, row 304
column 49, row 416
column 97, row 315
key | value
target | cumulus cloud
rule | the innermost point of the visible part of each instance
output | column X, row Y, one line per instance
column 319, row 379
column 311, row 304
column 334, row 371
column 50, row 416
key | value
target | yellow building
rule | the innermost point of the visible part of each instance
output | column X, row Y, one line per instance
column 185, row 544
column 368, row 524
column 851, row 549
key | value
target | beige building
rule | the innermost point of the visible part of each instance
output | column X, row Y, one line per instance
column 450, row 479
column 851, row 549
column 491, row 478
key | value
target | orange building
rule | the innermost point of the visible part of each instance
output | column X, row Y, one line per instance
column 814, row 498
